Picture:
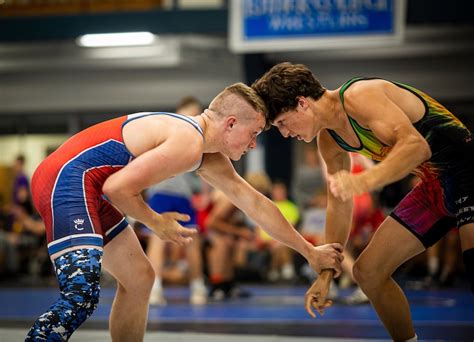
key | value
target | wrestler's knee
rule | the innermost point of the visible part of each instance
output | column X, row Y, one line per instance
column 79, row 280
column 83, row 299
column 366, row 276
column 139, row 280
column 147, row 278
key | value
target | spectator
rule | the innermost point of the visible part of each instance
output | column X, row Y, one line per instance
column 309, row 178
column 281, row 266
column 175, row 195
column 231, row 235
column 21, row 185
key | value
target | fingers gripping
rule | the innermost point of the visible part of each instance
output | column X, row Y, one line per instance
column 316, row 302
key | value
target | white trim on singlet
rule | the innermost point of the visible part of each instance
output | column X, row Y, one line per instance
column 188, row 119
column 74, row 236
column 179, row 116
column 84, row 189
column 111, row 229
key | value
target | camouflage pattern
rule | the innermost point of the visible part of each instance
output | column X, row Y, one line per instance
column 78, row 274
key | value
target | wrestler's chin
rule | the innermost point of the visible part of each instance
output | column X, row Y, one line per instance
column 237, row 157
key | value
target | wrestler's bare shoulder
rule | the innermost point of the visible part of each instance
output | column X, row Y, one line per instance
column 370, row 91
column 145, row 133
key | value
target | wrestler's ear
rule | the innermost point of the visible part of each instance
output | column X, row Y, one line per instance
column 230, row 121
column 302, row 102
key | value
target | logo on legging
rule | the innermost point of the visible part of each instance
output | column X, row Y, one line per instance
column 77, row 223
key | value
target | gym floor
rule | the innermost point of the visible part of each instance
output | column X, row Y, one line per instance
column 270, row 314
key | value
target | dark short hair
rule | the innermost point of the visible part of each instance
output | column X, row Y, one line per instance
column 281, row 85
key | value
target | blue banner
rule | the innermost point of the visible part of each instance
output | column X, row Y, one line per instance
column 273, row 19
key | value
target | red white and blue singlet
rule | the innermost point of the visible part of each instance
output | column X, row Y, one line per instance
column 67, row 185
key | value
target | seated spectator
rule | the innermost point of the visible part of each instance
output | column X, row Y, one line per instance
column 175, row 195
column 226, row 230
column 232, row 237
column 309, row 178
column 281, row 265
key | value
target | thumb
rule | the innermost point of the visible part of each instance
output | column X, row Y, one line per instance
column 337, row 246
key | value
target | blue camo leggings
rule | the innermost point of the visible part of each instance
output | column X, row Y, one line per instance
column 78, row 274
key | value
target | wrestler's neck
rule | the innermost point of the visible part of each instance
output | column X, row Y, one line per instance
column 328, row 110
column 209, row 127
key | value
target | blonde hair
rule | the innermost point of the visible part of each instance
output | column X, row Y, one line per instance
column 243, row 91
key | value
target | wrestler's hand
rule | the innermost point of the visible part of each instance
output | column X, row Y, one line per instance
column 169, row 229
column 315, row 297
column 344, row 185
column 328, row 256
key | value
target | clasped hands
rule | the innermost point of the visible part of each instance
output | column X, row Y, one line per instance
column 326, row 261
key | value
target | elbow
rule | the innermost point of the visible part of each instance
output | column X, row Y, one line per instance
column 110, row 191
column 117, row 192
column 418, row 148
column 424, row 150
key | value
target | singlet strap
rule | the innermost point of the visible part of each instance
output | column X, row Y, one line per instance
column 135, row 116
column 347, row 85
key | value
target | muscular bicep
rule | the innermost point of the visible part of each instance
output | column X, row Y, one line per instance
column 170, row 158
column 372, row 108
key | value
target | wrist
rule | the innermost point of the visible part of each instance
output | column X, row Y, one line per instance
column 326, row 274
column 362, row 183
column 308, row 249
column 154, row 221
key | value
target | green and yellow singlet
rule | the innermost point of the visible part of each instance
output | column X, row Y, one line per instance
column 441, row 129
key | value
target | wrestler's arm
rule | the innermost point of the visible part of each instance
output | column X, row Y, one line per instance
column 338, row 221
column 171, row 157
column 338, row 212
column 370, row 105
column 219, row 172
